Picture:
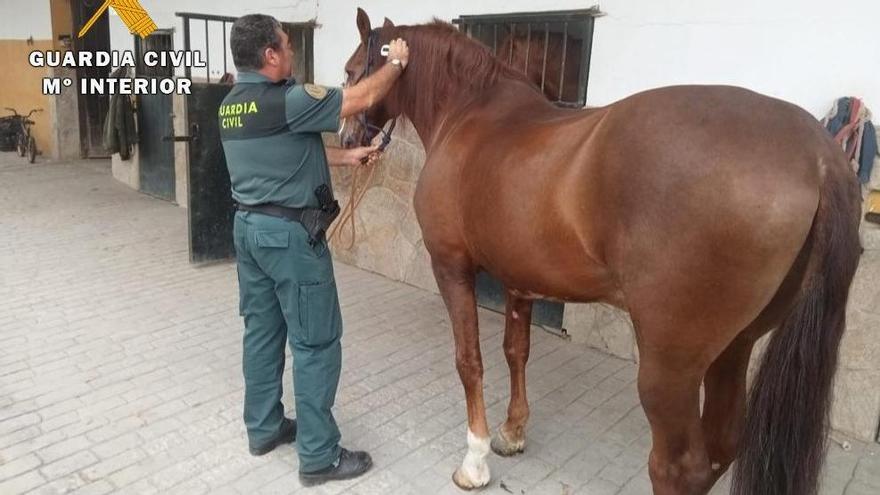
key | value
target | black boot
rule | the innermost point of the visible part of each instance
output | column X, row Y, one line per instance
column 287, row 434
column 350, row 465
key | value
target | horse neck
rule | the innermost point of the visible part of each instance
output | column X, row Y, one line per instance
column 424, row 104
column 429, row 90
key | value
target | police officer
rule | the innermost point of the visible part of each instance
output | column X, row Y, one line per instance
column 278, row 166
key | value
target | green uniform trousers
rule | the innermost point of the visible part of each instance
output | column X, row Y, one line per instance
column 288, row 293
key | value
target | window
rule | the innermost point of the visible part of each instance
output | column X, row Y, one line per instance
column 302, row 36
column 159, row 41
column 552, row 48
column 210, row 35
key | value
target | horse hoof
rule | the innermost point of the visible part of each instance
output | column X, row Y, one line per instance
column 464, row 483
column 504, row 447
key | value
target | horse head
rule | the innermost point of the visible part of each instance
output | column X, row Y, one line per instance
column 366, row 60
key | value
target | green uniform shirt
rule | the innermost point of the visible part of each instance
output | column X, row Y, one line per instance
column 271, row 134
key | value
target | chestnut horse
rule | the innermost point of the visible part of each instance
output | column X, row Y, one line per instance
column 711, row 214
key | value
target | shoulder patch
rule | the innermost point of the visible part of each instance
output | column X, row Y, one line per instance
column 315, row 91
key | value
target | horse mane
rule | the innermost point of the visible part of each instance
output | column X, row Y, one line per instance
column 446, row 64
column 468, row 61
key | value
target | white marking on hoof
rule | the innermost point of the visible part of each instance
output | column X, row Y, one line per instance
column 515, row 315
column 474, row 471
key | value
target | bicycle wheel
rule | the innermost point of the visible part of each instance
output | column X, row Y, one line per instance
column 32, row 149
column 20, row 145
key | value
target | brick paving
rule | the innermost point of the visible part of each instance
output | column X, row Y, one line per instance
column 120, row 369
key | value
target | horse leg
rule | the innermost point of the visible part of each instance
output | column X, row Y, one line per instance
column 456, row 284
column 511, row 437
column 724, row 409
column 670, row 395
column 725, row 404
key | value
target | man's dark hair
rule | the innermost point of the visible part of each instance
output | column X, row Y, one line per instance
column 251, row 35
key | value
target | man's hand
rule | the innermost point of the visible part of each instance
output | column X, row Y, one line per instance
column 366, row 156
column 338, row 157
column 399, row 50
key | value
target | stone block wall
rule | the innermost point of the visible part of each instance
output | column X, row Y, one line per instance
column 388, row 238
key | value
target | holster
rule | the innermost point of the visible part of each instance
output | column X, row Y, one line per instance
column 318, row 221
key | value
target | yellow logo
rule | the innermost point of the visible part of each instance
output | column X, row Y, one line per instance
column 131, row 12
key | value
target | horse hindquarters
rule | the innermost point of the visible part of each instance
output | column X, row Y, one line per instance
column 783, row 446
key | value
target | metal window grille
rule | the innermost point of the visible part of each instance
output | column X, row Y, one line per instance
column 552, row 48
column 204, row 31
column 159, row 41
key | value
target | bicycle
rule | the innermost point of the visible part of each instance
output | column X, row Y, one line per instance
column 25, row 143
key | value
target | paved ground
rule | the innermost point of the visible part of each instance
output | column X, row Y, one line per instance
column 119, row 369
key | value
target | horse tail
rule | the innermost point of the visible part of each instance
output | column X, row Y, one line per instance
column 783, row 445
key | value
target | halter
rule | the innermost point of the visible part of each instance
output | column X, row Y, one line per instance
column 362, row 117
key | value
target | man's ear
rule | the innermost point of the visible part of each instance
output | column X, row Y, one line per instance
column 269, row 54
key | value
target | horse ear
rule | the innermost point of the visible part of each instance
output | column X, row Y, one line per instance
column 388, row 23
column 363, row 24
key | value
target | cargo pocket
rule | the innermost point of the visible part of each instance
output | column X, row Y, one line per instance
column 272, row 239
column 319, row 314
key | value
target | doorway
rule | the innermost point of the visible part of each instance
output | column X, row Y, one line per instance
column 92, row 108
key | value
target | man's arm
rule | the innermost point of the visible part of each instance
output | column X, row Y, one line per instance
column 372, row 89
column 338, row 157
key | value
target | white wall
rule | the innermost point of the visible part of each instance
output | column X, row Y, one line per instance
column 22, row 19
column 163, row 13
column 805, row 51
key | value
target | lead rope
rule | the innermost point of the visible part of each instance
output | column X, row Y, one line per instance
column 358, row 189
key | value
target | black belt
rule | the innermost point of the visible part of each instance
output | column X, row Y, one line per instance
column 294, row 214
column 316, row 221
